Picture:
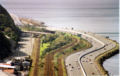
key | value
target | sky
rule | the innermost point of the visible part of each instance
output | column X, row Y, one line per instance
column 61, row 3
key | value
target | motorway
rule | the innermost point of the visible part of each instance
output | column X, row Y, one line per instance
column 82, row 63
column 78, row 60
column 85, row 59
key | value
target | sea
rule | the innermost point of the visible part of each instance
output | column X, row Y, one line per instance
column 93, row 20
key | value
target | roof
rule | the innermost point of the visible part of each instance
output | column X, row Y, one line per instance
column 7, row 66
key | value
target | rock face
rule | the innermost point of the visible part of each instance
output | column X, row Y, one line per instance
column 7, row 30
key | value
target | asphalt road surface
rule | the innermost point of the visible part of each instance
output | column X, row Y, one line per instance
column 82, row 63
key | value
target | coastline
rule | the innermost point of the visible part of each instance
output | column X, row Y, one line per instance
column 106, row 55
column 110, row 53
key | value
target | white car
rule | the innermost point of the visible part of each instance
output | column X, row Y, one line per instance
column 91, row 62
column 71, row 69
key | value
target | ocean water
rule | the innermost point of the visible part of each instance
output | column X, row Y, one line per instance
column 112, row 65
column 94, row 20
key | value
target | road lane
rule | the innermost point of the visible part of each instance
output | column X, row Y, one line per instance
column 86, row 57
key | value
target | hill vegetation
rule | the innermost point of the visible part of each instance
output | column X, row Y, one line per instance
column 8, row 31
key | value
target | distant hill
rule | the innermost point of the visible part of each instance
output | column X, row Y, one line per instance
column 21, row 21
column 28, row 21
column 7, row 25
column 8, row 31
column 16, row 19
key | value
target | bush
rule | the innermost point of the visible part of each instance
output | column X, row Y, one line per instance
column 4, row 46
column 56, row 41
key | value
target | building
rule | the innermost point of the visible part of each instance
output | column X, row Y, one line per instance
column 7, row 68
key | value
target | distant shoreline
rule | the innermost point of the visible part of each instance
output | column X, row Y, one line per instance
column 107, row 32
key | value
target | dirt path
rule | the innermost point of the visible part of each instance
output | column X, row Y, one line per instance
column 60, row 69
column 37, row 53
column 49, row 65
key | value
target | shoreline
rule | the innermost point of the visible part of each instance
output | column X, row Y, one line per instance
column 103, row 56
column 110, row 54
column 106, row 55
column 99, row 60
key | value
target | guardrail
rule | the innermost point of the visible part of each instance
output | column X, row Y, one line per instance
column 75, row 32
column 103, row 45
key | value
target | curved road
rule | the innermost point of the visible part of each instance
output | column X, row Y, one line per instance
column 82, row 63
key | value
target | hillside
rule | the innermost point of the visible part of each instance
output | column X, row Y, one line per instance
column 28, row 21
column 4, row 46
column 7, row 25
column 7, row 30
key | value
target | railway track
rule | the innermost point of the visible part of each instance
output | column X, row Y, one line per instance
column 49, row 65
column 37, row 54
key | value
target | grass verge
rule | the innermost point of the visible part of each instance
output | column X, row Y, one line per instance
column 80, row 45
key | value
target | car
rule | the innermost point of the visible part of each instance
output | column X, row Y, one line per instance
column 93, row 73
column 71, row 69
column 66, row 65
column 91, row 62
column 90, row 55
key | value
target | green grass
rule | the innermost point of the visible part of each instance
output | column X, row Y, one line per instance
column 83, row 44
column 50, row 43
column 31, row 28
column 64, row 68
column 43, row 47
column 53, row 42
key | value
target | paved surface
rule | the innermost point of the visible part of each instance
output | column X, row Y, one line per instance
column 88, row 60
column 73, row 59
column 82, row 63
column 25, row 45
column 86, row 57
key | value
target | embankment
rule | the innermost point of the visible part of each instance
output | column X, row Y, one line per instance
column 102, row 57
